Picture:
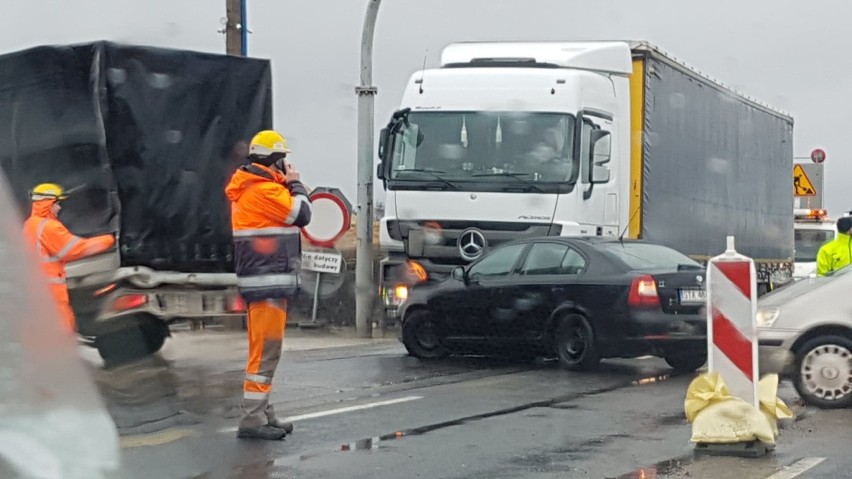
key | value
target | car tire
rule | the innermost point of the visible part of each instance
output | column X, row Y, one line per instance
column 686, row 362
column 575, row 344
column 142, row 336
column 422, row 336
column 823, row 374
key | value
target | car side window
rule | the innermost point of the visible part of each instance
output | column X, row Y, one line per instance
column 572, row 263
column 543, row 259
column 499, row 263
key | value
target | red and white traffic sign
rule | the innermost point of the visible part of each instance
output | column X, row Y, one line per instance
column 329, row 220
column 731, row 328
column 818, row 155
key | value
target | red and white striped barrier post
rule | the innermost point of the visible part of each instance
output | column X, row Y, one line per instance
column 731, row 328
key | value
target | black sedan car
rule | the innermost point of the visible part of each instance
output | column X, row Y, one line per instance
column 580, row 299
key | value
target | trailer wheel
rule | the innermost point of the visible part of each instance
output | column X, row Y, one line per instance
column 143, row 335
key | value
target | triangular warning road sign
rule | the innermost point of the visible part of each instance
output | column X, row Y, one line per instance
column 802, row 185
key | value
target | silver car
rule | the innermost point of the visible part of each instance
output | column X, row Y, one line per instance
column 805, row 331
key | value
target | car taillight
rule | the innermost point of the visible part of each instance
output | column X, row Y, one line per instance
column 129, row 301
column 643, row 292
column 236, row 304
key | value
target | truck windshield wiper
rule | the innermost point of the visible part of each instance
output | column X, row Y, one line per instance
column 433, row 173
column 517, row 176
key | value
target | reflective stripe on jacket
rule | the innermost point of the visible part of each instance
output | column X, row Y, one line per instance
column 57, row 246
column 266, row 217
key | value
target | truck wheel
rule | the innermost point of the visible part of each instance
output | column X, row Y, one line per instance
column 422, row 336
column 686, row 362
column 823, row 375
column 575, row 344
column 142, row 336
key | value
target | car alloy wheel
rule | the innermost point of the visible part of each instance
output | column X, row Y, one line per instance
column 427, row 336
column 824, row 372
column 422, row 336
column 575, row 344
column 827, row 372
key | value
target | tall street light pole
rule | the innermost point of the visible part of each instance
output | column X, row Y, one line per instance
column 364, row 287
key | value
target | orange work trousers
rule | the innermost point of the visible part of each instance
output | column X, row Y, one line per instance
column 66, row 314
column 266, row 323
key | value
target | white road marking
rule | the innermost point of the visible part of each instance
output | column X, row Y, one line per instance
column 342, row 410
column 797, row 468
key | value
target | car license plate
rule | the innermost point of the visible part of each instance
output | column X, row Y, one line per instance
column 693, row 296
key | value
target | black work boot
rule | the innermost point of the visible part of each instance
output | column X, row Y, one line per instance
column 265, row 432
column 281, row 424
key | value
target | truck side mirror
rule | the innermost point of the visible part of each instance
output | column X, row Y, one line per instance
column 384, row 137
column 601, row 154
column 383, row 140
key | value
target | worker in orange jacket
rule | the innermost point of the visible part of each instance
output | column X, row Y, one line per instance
column 269, row 205
column 57, row 246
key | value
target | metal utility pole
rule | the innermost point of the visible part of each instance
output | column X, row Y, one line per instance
column 236, row 33
column 364, row 294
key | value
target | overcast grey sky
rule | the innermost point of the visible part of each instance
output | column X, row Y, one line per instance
column 788, row 53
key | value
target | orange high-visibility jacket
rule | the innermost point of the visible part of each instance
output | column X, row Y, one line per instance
column 57, row 246
column 266, row 217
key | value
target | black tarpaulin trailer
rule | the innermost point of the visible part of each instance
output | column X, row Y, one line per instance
column 146, row 138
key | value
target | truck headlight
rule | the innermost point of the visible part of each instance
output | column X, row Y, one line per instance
column 766, row 317
column 401, row 292
column 396, row 295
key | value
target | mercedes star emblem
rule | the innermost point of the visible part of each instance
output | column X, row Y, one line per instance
column 699, row 279
column 471, row 244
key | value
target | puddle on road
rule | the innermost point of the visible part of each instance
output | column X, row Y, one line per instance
column 555, row 403
column 154, row 394
column 651, row 380
column 371, row 443
column 661, row 469
column 362, row 445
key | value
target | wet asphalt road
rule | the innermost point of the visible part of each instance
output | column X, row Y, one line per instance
column 369, row 411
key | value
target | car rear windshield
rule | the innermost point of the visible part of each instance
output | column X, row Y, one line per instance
column 644, row 256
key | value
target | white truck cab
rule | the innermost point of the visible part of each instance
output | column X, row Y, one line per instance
column 523, row 139
column 813, row 229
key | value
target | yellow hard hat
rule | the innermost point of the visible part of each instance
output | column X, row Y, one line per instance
column 268, row 142
column 48, row 191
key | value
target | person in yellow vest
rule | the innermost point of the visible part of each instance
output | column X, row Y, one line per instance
column 836, row 254
column 57, row 246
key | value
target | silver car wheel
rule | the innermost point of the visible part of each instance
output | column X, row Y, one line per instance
column 826, row 372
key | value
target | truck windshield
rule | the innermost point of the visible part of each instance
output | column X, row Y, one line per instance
column 808, row 242
column 486, row 147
